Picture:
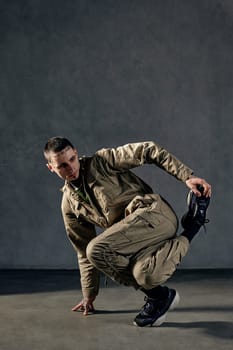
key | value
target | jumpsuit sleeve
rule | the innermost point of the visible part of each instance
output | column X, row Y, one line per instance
column 80, row 233
column 136, row 154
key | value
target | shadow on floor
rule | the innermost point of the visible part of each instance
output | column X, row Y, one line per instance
column 36, row 281
column 204, row 309
column 219, row 329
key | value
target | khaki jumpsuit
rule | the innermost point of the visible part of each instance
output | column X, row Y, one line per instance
column 138, row 246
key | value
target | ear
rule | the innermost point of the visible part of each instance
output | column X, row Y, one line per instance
column 49, row 166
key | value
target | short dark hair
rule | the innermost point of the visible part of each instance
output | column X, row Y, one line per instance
column 56, row 144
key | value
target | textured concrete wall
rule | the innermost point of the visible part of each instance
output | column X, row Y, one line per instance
column 105, row 73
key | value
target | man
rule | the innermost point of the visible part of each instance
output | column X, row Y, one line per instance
column 139, row 246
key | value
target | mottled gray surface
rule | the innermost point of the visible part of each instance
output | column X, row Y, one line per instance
column 105, row 73
column 36, row 314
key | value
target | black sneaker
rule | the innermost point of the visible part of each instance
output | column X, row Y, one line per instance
column 197, row 207
column 154, row 311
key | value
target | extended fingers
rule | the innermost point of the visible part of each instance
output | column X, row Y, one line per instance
column 79, row 306
column 85, row 307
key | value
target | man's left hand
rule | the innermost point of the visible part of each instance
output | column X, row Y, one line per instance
column 193, row 183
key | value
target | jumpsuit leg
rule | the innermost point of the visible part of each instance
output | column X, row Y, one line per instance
column 141, row 250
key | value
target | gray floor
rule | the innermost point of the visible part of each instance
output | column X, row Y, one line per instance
column 35, row 314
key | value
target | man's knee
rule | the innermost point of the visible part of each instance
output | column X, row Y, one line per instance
column 146, row 275
column 95, row 251
column 157, row 268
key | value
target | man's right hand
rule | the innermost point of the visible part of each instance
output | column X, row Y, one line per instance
column 86, row 306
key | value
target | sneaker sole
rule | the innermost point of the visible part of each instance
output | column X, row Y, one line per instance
column 192, row 204
column 173, row 305
column 162, row 318
column 175, row 302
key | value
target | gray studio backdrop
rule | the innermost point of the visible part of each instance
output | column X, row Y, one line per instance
column 105, row 73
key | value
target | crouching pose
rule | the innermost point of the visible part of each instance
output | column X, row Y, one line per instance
column 139, row 246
